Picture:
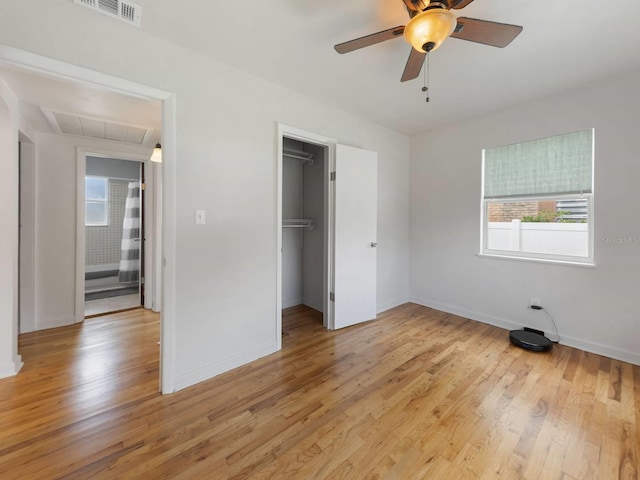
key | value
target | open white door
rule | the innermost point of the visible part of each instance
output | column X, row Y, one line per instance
column 355, row 220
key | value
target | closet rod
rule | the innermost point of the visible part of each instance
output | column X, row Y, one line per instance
column 299, row 155
column 298, row 223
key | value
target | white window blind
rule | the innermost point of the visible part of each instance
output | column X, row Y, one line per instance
column 558, row 165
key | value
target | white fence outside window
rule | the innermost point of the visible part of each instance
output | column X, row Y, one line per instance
column 570, row 239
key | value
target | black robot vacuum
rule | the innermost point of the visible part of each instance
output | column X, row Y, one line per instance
column 530, row 340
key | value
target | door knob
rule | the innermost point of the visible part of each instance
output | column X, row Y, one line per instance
column 374, row 244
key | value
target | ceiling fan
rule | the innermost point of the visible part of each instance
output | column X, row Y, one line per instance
column 431, row 24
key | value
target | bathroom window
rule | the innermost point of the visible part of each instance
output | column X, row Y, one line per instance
column 96, row 195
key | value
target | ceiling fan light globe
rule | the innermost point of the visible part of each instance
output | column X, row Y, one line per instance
column 430, row 28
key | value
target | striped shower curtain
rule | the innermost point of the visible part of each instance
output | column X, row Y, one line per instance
column 130, row 262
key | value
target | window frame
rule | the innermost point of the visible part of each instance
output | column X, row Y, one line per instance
column 586, row 261
column 105, row 201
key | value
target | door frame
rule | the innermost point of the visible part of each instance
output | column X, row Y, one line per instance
column 329, row 145
column 150, row 213
column 26, row 234
column 166, row 256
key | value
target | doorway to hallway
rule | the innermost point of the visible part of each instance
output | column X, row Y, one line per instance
column 114, row 229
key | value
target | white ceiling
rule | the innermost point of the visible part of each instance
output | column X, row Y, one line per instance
column 564, row 43
column 99, row 113
column 290, row 42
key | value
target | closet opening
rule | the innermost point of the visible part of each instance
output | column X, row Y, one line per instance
column 326, row 246
column 304, row 232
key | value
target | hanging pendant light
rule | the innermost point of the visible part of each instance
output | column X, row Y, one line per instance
column 156, row 156
column 427, row 30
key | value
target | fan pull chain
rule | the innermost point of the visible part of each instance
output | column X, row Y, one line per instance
column 425, row 78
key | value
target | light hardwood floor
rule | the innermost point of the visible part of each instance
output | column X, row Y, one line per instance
column 416, row 394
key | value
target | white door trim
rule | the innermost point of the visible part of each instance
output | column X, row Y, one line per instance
column 329, row 143
column 51, row 67
column 27, row 253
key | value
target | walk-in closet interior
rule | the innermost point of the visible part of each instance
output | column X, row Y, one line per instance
column 303, row 224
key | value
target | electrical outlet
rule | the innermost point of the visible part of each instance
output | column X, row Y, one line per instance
column 535, row 302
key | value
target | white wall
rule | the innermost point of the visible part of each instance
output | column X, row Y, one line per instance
column 313, row 267
column 10, row 361
column 55, row 238
column 226, row 124
column 595, row 308
column 292, row 196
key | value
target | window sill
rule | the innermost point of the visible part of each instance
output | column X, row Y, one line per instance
column 586, row 264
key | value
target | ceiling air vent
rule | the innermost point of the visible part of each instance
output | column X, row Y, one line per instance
column 123, row 10
column 79, row 125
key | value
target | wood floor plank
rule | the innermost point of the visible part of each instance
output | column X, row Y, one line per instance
column 415, row 394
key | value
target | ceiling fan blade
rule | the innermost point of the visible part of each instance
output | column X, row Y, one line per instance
column 368, row 40
column 458, row 4
column 488, row 33
column 416, row 5
column 414, row 65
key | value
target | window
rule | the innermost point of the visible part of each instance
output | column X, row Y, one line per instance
column 538, row 199
column 96, row 196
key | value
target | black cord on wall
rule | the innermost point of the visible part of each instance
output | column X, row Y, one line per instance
column 553, row 322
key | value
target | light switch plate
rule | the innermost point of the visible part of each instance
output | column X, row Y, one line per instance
column 201, row 217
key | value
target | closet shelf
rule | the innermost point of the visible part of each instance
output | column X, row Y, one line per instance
column 306, row 157
column 298, row 223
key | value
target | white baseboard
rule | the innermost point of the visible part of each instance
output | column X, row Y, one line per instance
column 313, row 304
column 579, row 343
column 605, row 350
column 55, row 323
column 211, row 370
column 318, row 306
column 12, row 368
column 291, row 302
column 300, row 301
column 389, row 305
